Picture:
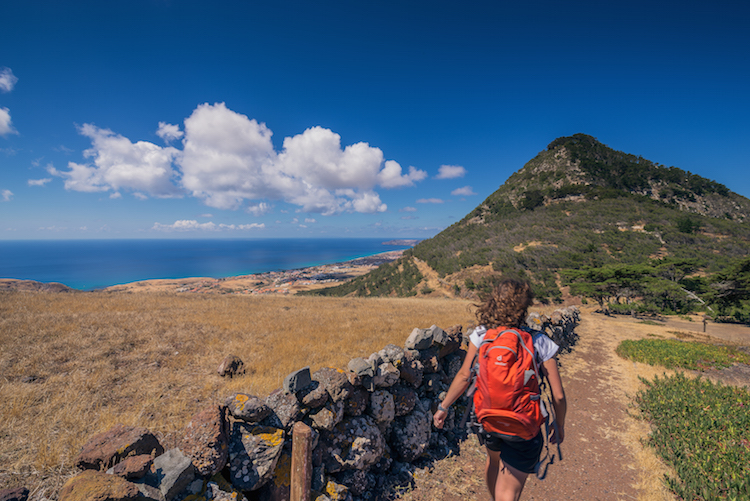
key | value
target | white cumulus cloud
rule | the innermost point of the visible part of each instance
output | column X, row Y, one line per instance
column 184, row 225
column 169, row 132
column 228, row 161
column 7, row 80
column 39, row 182
column 6, row 195
column 260, row 209
column 80, row 177
column 450, row 172
column 226, row 157
column 119, row 164
column 466, row 191
column 391, row 177
column 193, row 225
column 5, row 126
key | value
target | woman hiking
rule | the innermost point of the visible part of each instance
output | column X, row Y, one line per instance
column 511, row 456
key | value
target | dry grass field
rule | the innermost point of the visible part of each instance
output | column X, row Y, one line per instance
column 72, row 365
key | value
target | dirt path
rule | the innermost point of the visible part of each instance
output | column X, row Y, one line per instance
column 603, row 454
column 596, row 465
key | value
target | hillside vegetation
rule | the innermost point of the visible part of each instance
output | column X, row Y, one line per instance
column 580, row 205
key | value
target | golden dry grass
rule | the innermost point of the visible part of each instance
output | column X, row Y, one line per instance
column 150, row 360
column 455, row 478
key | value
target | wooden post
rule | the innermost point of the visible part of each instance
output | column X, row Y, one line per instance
column 301, row 462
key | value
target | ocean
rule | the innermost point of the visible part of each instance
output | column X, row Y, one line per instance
column 94, row 264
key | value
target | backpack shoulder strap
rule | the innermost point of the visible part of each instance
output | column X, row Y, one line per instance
column 531, row 353
column 500, row 332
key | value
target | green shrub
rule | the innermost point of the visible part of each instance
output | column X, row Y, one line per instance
column 687, row 225
column 397, row 278
column 627, row 309
column 703, row 431
column 532, row 199
column 672, row 353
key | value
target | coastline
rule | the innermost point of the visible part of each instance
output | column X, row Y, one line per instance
column 285, row 282
column 91, row 265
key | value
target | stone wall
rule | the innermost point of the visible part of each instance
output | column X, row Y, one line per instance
column 372, row 426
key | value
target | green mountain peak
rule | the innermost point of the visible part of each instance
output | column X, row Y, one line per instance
column 577, row 204
column 579, row 167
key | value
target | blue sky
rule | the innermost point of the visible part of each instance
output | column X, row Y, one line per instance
column 239, row 119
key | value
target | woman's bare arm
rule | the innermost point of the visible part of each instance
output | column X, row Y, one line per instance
column 549, row 368
column 457, row 387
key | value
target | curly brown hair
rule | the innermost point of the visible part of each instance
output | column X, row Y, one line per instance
column 506, row 305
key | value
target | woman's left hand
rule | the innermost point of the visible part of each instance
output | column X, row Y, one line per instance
column 439, row 419
column 557, row 435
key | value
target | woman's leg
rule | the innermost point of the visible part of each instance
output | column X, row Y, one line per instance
column 491, row 470
column 509, row 483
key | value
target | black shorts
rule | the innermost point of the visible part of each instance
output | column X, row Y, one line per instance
column 522, row 455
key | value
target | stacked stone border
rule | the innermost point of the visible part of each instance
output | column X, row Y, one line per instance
column 369, row 426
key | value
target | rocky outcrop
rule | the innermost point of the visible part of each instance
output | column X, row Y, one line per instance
column 369, row 423
column 132, row 467
column 14, row 494
column 253, row 453
column 247, row 407
column 98, row 486
column 231, row 366
column 560, row 325
column 205, row 440
column 170, row 474
column 104, row 450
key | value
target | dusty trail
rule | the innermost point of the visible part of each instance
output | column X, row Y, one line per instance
column 604, row 458
column 597, row 462
column 596, row 465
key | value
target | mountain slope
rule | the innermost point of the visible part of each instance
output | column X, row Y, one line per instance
column 579, row 203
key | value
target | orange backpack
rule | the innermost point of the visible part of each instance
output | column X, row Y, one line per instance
column 507, row 399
